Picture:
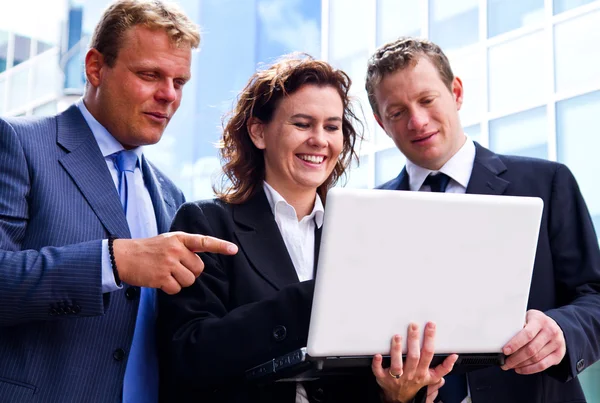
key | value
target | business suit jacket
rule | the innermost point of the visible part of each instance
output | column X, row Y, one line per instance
column 61, row 339
column 242, row 311
column 566, row 275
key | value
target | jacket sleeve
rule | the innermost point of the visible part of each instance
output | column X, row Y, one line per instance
column 53, row 283
column 576, row 260
column 206, row 343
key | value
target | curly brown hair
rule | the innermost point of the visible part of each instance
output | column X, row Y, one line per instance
column 243, row 163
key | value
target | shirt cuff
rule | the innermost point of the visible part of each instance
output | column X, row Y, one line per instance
column 108, row 278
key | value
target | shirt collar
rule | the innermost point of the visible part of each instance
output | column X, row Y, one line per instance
column 275, row 199
column 107, row 143
column 459, row 167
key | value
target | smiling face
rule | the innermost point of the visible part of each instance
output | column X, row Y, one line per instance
column 136, row 98
column 419, row 112
column 302, row 142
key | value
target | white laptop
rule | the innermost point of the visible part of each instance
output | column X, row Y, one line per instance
column 388, row 258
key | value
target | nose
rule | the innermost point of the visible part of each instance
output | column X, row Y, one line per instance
column 318, row 138
column 166, row 92
column 418, row 120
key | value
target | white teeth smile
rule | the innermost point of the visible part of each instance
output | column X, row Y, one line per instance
column 315, row 159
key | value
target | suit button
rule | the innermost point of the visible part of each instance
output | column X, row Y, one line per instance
column 132, row 293
column 119, row 354
column 580, row 365
column 279, row 333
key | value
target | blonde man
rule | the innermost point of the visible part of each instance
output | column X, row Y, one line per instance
column 77, row 294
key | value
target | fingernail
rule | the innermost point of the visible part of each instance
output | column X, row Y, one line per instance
column 431, row 325
column 413, row 326
column 397, row 338
column 232, row 249
column 507, row 350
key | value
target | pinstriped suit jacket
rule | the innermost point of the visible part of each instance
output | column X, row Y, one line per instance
column 58, row 332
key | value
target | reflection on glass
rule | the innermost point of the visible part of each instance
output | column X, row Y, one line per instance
column 578, row 143
column 564, row 5
column 524, row 134
column 453, row 24
column 575, row 62
column 518, row 73
column 348, row 33
column 357, row 176
column 18, row 86
column 288, row 26
column 474, row 132
column 388, row 164
column 397, row 18
column 22, row 49
column 469, row 69
column 506, row 15
column 3, row 50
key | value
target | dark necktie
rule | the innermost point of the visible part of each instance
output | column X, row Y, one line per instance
column 455, row 388
column 438, row 182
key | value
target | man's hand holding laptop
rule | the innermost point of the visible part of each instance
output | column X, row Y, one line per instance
column 401, row 381
column 538, row 346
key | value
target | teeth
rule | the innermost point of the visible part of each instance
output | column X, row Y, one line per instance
column 312, row 158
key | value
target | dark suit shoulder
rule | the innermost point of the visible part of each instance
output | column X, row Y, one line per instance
column 29, row 129
column 207, row 217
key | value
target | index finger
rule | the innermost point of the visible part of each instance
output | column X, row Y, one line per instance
column 203, row 243
column 524, row 336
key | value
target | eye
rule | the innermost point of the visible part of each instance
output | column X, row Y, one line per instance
column 396, row 114
column 302, row 125
column 427, row 101
column 148, row 75
column 179, row 83
column 332, row 128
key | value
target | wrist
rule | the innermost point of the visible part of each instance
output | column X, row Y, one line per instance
column 113, row 262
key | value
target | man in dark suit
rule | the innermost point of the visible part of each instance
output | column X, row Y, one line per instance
column 415, row 99
column 76, row 294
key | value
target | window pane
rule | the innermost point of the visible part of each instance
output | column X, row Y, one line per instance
column 474, row 132
column 564, row 5
column 578, row 145
column 506, row 15
column 2, row 94
column 576, row 62
column 358, row 176
column 3, row 50
column 46, row 109
column 42, row 47
column 388, row 164
column 45, row 75
column 348, row 33
column 22, row 49
column 468, row 68
column 518, row 73
column 524, row 133
column 453, row 24
column 397, row 18
column 18, row 88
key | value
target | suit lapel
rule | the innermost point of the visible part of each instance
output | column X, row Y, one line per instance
column 400, row 182
column 485, row 177
column 86, row 166
column 262, row 243
column 318, row 232
column 164, row 205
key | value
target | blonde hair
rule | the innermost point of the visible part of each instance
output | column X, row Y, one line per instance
column 122, row 15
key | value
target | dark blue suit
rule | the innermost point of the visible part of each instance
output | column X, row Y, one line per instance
column 566, row 275
column 61, row 339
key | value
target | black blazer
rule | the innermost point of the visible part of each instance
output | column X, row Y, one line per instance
column 566, row 275
column 242, row 311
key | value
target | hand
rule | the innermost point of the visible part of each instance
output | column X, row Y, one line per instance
column 432, row 390
column 415, row 372
column 167, row 261
column 538, row 346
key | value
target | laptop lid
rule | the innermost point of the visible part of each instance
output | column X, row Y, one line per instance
column 391, row 257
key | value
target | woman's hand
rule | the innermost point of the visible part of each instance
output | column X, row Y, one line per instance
column 401, row 382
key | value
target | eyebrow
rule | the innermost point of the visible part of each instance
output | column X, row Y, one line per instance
column 304, row 116
column 154, row 67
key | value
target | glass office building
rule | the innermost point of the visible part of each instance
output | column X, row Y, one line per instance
column 530, row 70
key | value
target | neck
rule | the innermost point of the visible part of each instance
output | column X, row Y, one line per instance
column 303, row 201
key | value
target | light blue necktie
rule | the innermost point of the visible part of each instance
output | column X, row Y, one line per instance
column 141, row 374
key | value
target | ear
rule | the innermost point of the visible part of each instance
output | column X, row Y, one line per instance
column 94, row 65
column 457, row 92
column 256, row 128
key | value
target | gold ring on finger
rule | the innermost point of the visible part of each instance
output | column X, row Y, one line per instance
column 394, row 375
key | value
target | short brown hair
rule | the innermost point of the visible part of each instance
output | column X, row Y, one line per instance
column 243, row 162
column 399, row 54
column 122, row 15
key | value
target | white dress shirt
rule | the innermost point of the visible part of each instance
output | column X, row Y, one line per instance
column 109, row 145
column 459, row 169
column 299, row 239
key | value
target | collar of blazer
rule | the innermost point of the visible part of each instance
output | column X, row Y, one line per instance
column 260, row 239
column 485, row 177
